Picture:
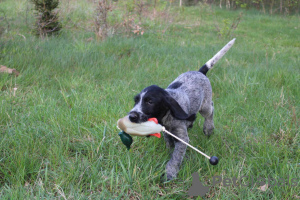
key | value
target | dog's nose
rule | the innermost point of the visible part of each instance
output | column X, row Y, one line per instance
column 133, row 116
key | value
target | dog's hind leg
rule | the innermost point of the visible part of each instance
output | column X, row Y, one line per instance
column 207, row 111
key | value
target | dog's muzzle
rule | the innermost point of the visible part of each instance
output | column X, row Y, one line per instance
column 137, row 117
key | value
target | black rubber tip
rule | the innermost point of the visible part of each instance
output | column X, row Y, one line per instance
column 214, row 160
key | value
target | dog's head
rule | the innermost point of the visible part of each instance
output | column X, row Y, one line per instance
column 154, row 101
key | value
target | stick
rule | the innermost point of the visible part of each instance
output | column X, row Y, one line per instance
column 164, row 130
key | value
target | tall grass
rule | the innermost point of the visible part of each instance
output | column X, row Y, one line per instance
column 58, row 135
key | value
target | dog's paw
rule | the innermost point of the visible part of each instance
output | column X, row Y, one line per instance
column 171, row 170
column 164, row 178
column 208, row 128
column 208, row 132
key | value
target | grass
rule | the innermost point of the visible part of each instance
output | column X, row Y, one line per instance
column 58, row 135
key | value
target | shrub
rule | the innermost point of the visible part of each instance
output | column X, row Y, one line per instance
column 101, row 23
column 47, row 18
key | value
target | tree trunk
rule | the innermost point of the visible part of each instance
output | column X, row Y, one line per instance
column 263, row 7
column 228, row 4
column 271, row 7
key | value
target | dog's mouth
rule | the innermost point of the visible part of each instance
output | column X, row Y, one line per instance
column 137, row 117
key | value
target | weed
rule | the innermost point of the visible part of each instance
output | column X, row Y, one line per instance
column 226, row 29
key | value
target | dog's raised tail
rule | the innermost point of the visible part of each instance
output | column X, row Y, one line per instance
column 209, row 64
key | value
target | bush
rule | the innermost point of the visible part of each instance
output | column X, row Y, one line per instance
column 47, row 18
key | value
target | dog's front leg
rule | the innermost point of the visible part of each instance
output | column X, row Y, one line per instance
column 174, row 163
column 169, row 140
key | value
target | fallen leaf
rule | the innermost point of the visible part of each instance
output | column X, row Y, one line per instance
column 3, row 88
column 90, row 39
column 15, row 89
column 4, row 69
column 263, row 188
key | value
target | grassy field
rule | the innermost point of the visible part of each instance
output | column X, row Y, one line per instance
column 58, row 135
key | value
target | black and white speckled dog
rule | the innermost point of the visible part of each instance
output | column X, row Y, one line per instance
column 176, row 107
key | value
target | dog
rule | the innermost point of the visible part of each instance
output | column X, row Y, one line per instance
column 176, row 107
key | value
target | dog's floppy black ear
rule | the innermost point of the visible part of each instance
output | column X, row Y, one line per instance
column 176, row 109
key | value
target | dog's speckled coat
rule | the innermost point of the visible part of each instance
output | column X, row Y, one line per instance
column 176, row 107
column 194, row 95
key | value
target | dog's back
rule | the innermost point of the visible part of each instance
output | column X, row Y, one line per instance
column 190, row 89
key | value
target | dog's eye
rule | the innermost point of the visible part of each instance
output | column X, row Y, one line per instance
column 149, row 102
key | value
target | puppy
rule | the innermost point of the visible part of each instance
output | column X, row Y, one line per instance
column 176, row 107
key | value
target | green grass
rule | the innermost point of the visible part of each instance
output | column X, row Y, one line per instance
column 58, row 135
